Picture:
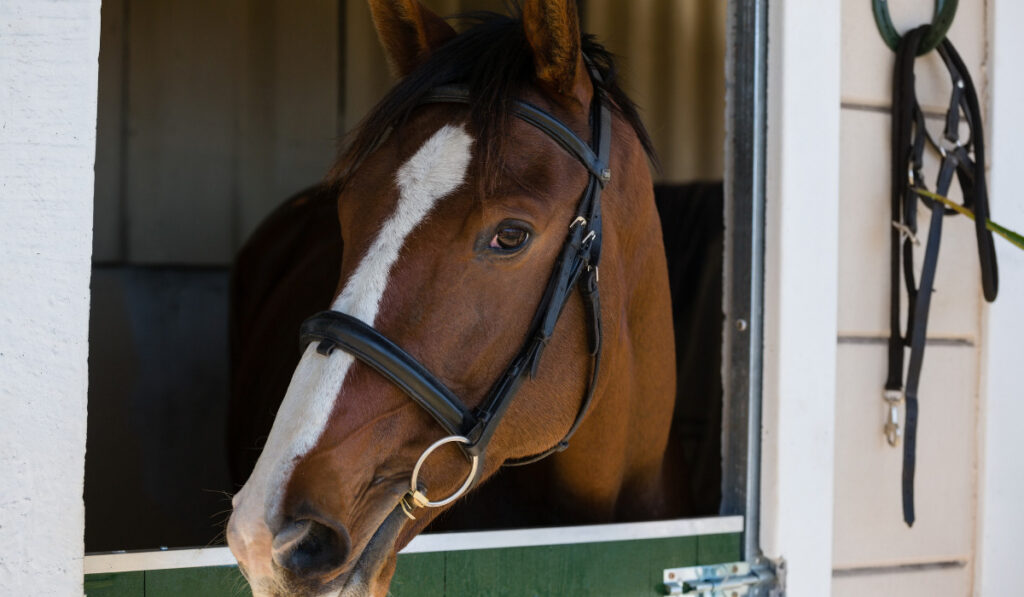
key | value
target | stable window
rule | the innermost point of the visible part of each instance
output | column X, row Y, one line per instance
column 212, row 114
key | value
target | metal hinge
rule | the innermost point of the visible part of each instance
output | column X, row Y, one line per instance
column 717, row 580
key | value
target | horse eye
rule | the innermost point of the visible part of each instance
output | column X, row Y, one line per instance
column 509, row 238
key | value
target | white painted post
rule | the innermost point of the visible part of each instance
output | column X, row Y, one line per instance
column 1001, row 492
column 48, row 75
column 801, row 279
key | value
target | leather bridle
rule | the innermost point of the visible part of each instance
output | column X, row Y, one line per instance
column 909, row 138
column 576, row 267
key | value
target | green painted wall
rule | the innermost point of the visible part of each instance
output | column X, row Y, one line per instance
column 619, row 568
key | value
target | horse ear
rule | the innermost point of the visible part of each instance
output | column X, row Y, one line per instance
column 553, row 32
column 408, row 31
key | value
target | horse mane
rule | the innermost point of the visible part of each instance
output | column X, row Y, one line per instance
column 493, row 59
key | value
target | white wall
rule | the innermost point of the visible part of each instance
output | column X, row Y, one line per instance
column 801, row 260
column 48, row 69
column 1002, row 404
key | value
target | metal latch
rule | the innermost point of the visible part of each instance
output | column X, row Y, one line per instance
column 717, row 580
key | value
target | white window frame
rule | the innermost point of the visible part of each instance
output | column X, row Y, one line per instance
column 1001, row 491
column 765, row 254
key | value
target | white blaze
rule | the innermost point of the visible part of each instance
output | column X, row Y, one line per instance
column 437, row 169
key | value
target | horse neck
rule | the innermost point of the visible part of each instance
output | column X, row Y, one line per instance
column 627, row 431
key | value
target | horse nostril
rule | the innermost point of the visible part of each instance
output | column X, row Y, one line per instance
column 308, row 548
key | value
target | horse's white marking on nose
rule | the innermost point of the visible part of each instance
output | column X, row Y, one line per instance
column 436, row 169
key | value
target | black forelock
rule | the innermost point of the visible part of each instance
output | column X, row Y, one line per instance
column 492, row 58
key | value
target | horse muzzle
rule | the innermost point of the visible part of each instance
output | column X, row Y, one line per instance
column 310, row 552
column 310, row 556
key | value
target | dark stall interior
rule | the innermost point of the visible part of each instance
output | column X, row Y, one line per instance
column 211, row 114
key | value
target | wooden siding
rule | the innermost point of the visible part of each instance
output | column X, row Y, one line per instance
column 210, row 115
column 671, row 57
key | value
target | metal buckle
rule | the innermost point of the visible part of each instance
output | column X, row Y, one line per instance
column 892, row 428
column 580, row 220
column 906, row 232
column 414, row 498
column 715, row 580
column 949, row 146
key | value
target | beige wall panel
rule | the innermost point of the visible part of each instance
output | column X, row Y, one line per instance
column 869, row 528
column 944, row 582
column 671, row 56
column 231, row 107
column 107, row 232
column 184, row 61
column 867, row 62
column 864, row 213
column 367, row 75
column 288, row 118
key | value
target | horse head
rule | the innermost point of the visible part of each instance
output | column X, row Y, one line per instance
column 454, row 216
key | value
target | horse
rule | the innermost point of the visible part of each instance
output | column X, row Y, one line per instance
column 467, row 296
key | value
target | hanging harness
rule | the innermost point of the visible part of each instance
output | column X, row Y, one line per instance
column 909, row 138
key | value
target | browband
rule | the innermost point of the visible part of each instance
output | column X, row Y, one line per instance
column 553, row 127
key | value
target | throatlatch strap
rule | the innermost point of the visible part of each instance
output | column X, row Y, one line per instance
column 909, row 138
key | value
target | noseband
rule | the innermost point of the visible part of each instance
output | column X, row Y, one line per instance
column 472, row 428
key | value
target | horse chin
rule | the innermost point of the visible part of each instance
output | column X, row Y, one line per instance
column 365, row 578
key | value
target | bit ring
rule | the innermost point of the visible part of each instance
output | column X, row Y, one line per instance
column 419, row 498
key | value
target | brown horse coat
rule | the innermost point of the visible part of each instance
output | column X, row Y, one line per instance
column 320, row 510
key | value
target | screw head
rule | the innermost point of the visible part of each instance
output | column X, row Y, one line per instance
column 741, row 325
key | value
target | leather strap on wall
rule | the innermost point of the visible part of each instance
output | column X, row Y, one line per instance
column 909, row 139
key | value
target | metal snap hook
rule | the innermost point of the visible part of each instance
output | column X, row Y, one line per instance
column 892, row 428
column 415, row 498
